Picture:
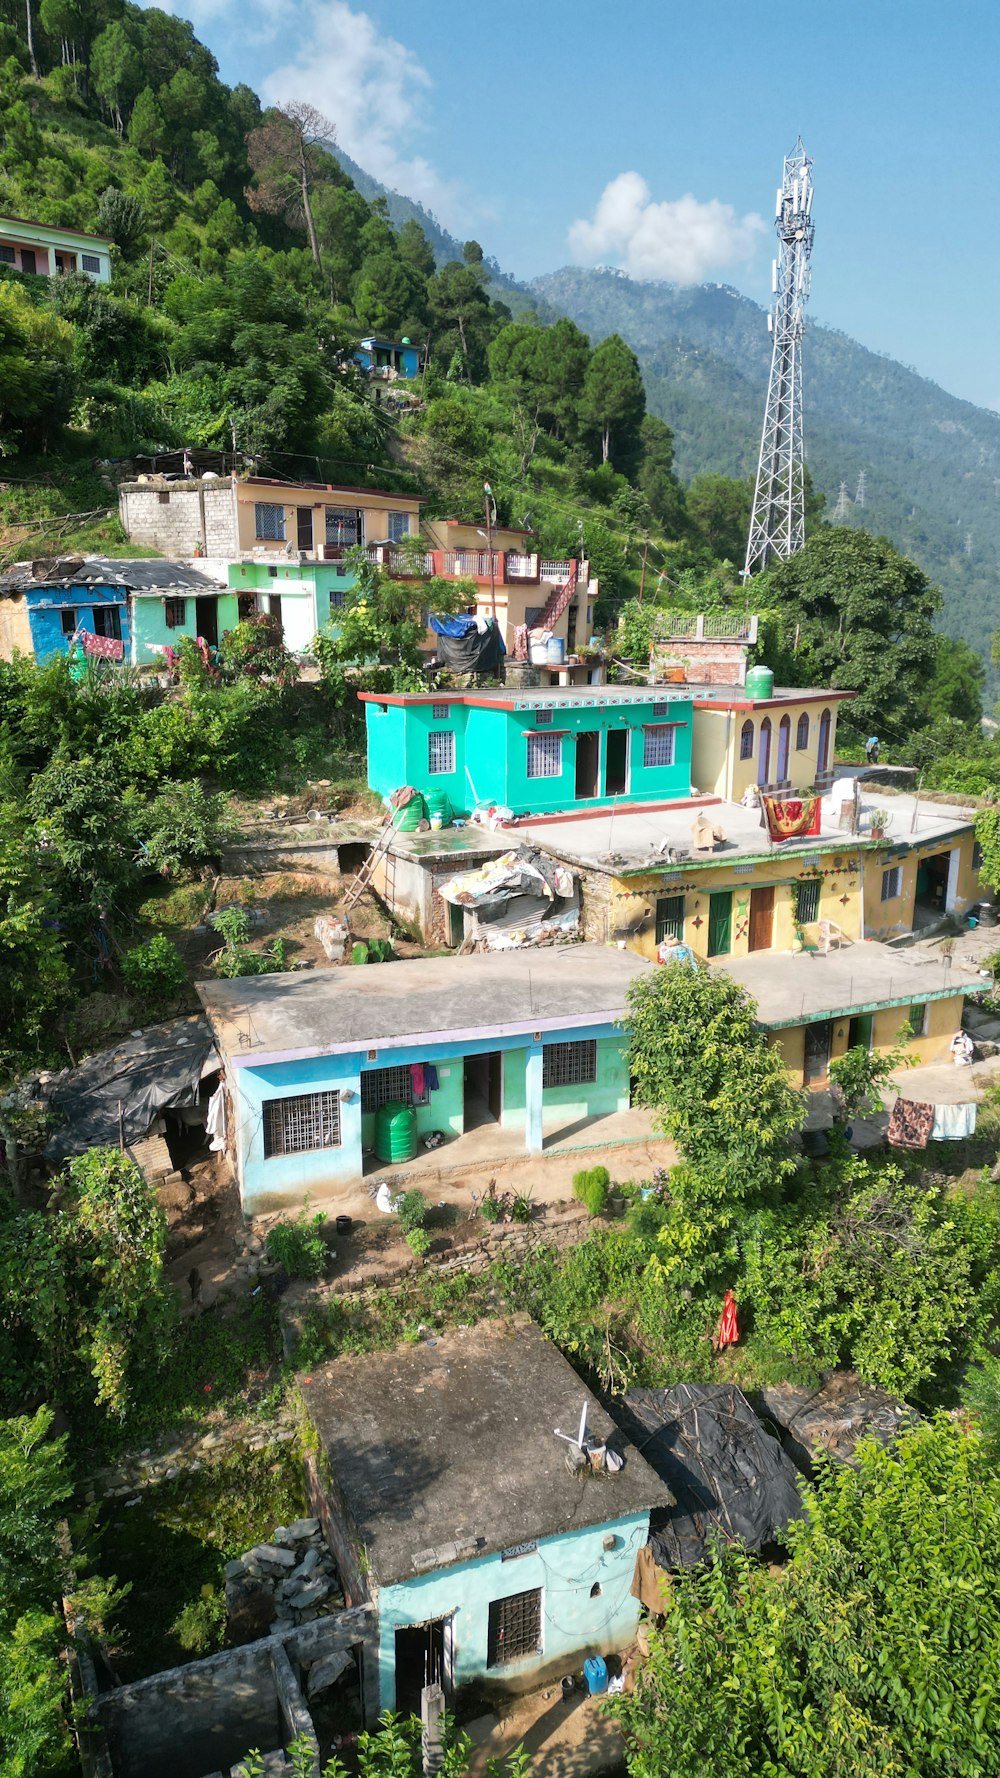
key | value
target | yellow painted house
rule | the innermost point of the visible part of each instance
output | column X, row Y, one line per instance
column 927, row 865
column 783, row 741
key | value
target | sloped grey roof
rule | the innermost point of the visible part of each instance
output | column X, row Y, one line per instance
column 148, row 575
column 145, row 1073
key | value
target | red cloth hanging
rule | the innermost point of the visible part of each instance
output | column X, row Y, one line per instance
column 728, row 1331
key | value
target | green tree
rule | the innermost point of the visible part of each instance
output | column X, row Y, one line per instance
column 719, row 509
column 874, row 1652
column 282, row 151
column 460, row 312
column 864, row 617
column 700, row 1061
column 415, row 250
column 36, row 374
column 613, row 402
column 33, row 969
column 955, row 692
column 116, row 70
column 120, row 217
column 657, row 480
column 146, row 126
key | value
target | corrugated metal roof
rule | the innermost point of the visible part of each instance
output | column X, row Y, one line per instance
column 153, row 575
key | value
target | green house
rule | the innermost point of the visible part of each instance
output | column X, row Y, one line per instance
column 535, row 752
column 304, row 596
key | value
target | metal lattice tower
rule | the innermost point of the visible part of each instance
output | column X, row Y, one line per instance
column 777, row 525
column 841, row 511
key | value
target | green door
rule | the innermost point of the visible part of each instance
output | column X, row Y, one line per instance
column 720, row 922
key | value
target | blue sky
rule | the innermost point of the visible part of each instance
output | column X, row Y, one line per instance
column 512, row 121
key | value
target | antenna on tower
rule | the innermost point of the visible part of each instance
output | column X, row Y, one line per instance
column 840, row 512
column 859, row 498
column 777, row 525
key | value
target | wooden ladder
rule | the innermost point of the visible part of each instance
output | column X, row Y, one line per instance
column 360, row 882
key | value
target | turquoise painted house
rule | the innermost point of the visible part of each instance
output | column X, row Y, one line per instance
column 388, row 358
column 305, row 596
column 500, row 1052
column 495, row 1558
column 535, row 752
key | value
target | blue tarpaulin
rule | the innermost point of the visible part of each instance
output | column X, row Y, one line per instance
column 452, row 626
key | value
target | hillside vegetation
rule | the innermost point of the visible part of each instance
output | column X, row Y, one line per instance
column 931, row 462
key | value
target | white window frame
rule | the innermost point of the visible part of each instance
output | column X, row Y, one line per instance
column 652, row 735
column 441, row 744
column 544, row 756
column 90, row 262
column 397, row 526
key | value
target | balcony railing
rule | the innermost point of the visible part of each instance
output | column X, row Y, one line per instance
column 559, row 572
column 520, row 567
column 718, row 626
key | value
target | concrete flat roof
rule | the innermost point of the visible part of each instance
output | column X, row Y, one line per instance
column 912, row 821
column 447, row 1450
column 527, row 697
column 796, row 988
column 636, row 839
column 381, row 1006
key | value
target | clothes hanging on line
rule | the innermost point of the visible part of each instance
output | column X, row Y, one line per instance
column 952, row 1123
column 911, row 1123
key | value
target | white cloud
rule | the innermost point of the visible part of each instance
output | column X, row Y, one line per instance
column 678, row 239
column 372, row 87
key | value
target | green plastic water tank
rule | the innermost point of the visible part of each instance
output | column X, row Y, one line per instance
column 395, row 1132
column 406, row 819
column 760, row 683
column 439, row 803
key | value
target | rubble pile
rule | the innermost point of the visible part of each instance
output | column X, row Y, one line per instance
column 278, row 1585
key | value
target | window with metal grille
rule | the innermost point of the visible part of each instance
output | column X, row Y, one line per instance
column 174, row 613
column 892, row 882
column 344, row 526
column 441, row 750
column 669, row 917
column 743, row 870
column 658, row 746
column 68, row 621
column 269, row 521
column 661, row 709
column 802, row 733
column 310, row 1120
column 569, row 1064
column 746, row 741
column 389, row 1086
column 7, row 255
column 916, row 1019
column 977, row 855
column 108, row 621
column 397, row 526
column 439, row 712
column 542, row 717
column 808, row 902
column 90, row 262
column 532, row 613
column 544, row 756
column 163, row 499
column 338, row 598
column 515, row 1627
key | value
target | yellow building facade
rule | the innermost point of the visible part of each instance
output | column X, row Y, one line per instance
column 732, row 908
column 888, row 1028
column 784, row 741
column 909, row 885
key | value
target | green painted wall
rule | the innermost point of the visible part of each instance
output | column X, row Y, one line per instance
column 609, row 1092
column 445, row 1111
column 326, row 583
column 491, row 753
column 149, row 625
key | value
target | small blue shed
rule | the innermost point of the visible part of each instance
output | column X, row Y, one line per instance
column 65, row 599
column 496, row 1559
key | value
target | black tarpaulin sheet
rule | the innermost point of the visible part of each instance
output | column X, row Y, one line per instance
column 475, row 652
column 148, row 1073
column 730, row 1478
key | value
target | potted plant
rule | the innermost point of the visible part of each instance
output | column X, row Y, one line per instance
column 879, row 823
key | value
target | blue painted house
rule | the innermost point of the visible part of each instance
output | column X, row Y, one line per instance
column 388, row 358
column 493, row 1559
column 535, row 752
column 45, row 605
column 498, row 1051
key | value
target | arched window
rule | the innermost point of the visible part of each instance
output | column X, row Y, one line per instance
column 746, row 740
column 784, row 747
column 823, row 758
column 764, row 752
column 802, row 733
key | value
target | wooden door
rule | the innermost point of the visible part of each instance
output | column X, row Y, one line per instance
column 720, row 923
column 761, row 919
column 817, row 1052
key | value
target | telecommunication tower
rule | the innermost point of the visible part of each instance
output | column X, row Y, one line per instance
column 777, row 525
column 841, row 511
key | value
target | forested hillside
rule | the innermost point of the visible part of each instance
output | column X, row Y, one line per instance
column 931, row 462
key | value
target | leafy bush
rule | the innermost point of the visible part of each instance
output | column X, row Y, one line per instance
column 154, row 972
column 182, row 827
column 299, row 1246
column 236, row 957
column 199, row 1625
column 522, row 1209
column 412, row 1210
column 491, row 1209
column 590, row 1186
column 418, row 1241
column 255, row 649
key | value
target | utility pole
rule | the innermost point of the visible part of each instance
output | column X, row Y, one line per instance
column 642, row 577
column 777, row 525
column 491, row 518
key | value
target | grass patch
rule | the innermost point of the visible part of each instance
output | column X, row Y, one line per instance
column 172, row 1547
column 178, row 906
